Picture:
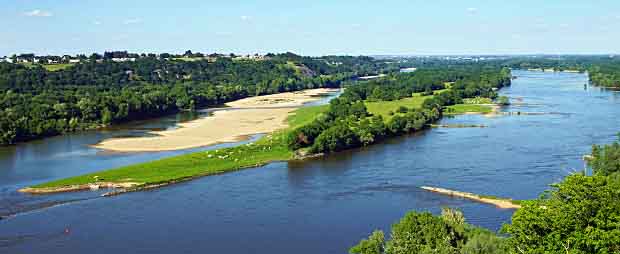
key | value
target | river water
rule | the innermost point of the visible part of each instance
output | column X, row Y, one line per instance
column 316, row 206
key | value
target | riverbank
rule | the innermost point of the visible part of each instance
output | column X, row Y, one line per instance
column 243, row 118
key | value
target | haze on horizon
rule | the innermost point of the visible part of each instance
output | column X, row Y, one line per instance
column 318, row 28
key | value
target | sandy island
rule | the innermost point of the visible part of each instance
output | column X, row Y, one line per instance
column 249, row 116
column 498, row 202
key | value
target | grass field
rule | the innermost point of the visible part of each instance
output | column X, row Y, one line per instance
column 270, row 148
column 56, row 67
column 467, row 108
column 50, row 67
column 383, row 108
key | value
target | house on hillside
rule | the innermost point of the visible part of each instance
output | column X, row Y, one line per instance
column 74, row 61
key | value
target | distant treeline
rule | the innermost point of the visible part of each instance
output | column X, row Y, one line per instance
column 348, row 123
column 38, row 103
column 602, row 70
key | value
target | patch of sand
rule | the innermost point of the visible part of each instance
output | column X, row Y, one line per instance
column 249, row 116
column 498, row 202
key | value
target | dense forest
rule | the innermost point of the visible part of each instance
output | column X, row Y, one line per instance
column 581, row 214
column 348, row 123
column 39, row 103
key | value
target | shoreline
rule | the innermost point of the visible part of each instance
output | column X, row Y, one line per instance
column 243, row 118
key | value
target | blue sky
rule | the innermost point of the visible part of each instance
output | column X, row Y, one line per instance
column 316, row 27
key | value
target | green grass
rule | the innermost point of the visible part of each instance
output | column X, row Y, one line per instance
column 467, row 108
column 269, row 148
column 57, row 67
column 383, row 108
column 305, row 115
column 50, row 67
column 477, row 100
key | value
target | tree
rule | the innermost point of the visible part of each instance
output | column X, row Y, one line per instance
column 106, row 116
column 580, row 215
column 373, row 245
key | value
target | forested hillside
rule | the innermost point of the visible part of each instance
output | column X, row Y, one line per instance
column 39, row 103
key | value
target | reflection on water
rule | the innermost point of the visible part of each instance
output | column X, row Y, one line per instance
column 321, row 205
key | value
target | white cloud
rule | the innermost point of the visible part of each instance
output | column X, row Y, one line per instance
column 38, row 13
column 97, row 22
column 132, row 21
column 472, row 10
column 246, row 18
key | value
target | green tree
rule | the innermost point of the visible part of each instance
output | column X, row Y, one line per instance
column 373, row 245
column 580, row 215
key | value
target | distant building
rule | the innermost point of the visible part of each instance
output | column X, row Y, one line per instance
column 124, row 59
column 74, row 61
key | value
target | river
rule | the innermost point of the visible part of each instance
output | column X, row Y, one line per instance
column 316, row 206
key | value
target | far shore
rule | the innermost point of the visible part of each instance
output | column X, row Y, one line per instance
column 245, row 117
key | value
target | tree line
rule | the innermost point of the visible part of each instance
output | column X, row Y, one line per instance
column 38, row 103
column 348, row 123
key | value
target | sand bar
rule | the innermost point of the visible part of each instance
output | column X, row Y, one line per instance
column 249, row 116
column 498, row 202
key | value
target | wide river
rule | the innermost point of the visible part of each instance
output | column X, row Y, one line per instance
column 317, row 206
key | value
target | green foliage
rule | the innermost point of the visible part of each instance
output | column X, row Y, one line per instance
column 605, row 160
column 346, row 123
column 336, row 138
column 38, row 102
column 373, row 245
column 503, row 100
column 425, row 233
column 467, row 108
column 580, row 215
column 485, row 242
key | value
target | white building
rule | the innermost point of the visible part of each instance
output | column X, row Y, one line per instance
column 120, row 60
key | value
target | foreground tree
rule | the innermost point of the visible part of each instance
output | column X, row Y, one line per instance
column 421, row 233
column 580, row 215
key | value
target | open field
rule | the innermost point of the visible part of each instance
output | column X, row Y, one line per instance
column 468, row 108
column 50, row 67
column 383, row 108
